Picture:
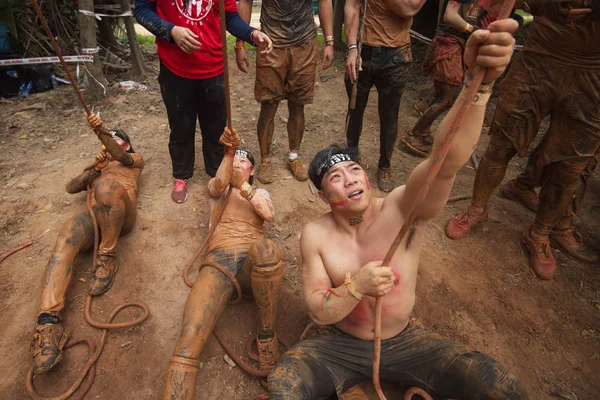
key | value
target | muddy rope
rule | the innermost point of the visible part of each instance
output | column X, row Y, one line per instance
column 24, row 245
column 438, row 160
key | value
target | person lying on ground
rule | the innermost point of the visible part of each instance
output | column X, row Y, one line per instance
column 342, row 254
column 238, row 246
column 113, row 186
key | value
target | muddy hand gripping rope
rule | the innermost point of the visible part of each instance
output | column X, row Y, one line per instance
column 77, row 390
column 471, row 90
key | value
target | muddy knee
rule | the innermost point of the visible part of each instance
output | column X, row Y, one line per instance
column 500, row 149
column 75, row 233
column 486, row 378
column 264, row 254
column 297, row 377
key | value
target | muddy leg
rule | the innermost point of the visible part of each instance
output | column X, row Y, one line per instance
column 77, row 234
column 295, row 126
column 50, row 337
column 207, row 301
column 445, row 97
column 492, row 168
column 266, row 126
column 263, row 273
column 113, row 209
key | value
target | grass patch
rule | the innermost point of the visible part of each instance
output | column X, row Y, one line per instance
column 144, row 39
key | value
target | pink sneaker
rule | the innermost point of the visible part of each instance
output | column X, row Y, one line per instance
column 179, row 194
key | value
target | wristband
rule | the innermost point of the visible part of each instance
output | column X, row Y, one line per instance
column 352, row 46
column 351, row 289
column 239, row 48
column 329, row 40
column 247, row 191
column 468, row 28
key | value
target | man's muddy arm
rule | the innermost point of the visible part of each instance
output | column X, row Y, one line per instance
column 80, row 182
column 326, row 304
column 325, row 17
column 406, row 8
column 218, row 184
column 260, row 200
column 351, row 17
column 245, row 10
column 492, row 50
column 452, row 17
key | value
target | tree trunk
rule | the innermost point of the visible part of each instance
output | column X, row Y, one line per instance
column 87, row 36
column 137, row 61
column 338, row 21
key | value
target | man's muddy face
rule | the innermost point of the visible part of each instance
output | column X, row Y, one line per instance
column 346, row 187
column 242, row 163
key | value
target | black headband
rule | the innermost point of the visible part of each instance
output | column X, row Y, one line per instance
column 247, row 154
column 330, row 162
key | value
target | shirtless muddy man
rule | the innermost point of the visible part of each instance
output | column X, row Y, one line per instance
column 342, row 271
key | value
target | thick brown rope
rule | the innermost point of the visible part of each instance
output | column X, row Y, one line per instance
column 438, row 160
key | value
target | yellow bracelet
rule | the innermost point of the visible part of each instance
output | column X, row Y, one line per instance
column 239, row 48
column 351, row 289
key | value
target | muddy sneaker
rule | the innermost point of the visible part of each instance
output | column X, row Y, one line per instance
column 541, row 260
column 570, row 242
column 179, row 193
column 419, row 146
column 526, row 197
column 460, row 225
column 298, row 169
column 265, row 173
column 106, row 268
column 384, row 180
column 47, row 346
column 268, row 352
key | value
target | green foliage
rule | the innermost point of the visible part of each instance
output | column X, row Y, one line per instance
column 144, row 39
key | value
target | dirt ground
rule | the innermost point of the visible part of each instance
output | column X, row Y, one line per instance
column 478, row 291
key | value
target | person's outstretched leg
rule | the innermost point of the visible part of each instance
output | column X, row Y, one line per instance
column 264, row 271
column 419, row 141
column 295, row 127
column 113, row 208
column 265, row 128
column 76, row 235
column 207, row 301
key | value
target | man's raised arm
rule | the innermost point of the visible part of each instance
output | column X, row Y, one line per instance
column 491, row 49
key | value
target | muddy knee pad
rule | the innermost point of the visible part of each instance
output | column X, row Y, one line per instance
column 180, row 381
column 483, row 377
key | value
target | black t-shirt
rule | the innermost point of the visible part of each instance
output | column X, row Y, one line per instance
column 469, row 11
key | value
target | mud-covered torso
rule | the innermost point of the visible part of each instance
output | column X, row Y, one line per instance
column 385, row 28
column 127, row 177
column 341, row 255
column 288, row 22
column 240, row 225
column 575, row 45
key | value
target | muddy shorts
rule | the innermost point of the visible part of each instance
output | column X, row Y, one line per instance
column 329, row 362
column 534, row 88
column 444, row 60
column 287, row 73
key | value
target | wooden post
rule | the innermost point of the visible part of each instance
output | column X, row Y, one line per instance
column 87, row 39
column 137, row 61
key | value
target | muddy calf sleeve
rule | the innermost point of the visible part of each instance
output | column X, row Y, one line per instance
column 266, row 276
column 181, row 378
